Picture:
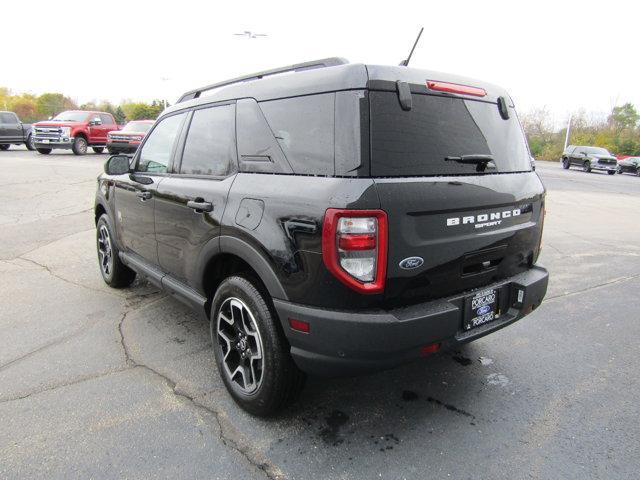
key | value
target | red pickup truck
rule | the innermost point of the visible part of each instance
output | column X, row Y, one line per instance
column 76, row 130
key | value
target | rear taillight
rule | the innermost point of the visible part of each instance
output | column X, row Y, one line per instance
column 354, row 248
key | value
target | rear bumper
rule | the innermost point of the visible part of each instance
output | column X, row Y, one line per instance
column 343, row 343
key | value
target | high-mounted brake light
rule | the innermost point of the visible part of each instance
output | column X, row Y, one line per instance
column 455, row 88
column 354, row 248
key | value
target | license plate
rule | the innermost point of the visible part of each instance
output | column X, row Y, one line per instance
column 481, row 308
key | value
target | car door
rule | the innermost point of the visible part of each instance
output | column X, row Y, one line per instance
column 577, row 157
column 190, row 201
column 135, row 193
column 10, row 128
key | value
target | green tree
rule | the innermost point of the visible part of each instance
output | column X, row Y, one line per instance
column 624, row 117
column 49, row 104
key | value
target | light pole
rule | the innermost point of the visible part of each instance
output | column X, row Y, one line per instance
column 566, row 138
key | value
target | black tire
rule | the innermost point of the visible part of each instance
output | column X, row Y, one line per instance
column 638, row 172
column 279, row 381
column 586, row 166
column 4, row 147
column 114, row 273
column 79, row 146
column 611, row 172
column 113, row 151
column 29, row 143
column 565, row 163
column 97, row 149
column 44, row 151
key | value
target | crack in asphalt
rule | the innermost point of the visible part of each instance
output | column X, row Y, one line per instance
column 593, row 287
column 66, row 280
column 249, row 454
column 75, row 381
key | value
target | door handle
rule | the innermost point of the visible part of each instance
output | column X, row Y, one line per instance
column 143, row 195
column 200, row 206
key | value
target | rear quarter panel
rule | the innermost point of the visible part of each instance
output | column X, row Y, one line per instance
column 288, row 233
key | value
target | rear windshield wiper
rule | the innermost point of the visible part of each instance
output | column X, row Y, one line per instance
column 482, row 161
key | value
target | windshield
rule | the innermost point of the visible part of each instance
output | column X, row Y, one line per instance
column 71, row 116
column 443, row 136
column 597, row 150
column 137, row 127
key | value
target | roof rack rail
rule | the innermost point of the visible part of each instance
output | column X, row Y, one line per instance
column 298, row 67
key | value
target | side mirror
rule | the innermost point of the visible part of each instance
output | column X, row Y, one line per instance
column 117, row 165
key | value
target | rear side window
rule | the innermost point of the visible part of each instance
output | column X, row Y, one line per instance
column 158, row 148
column 304, row 128
column 210, row 145
column 416, row 142
column 106, row 119
column 8, row 117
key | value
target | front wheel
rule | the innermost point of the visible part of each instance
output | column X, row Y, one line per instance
column 565, row 163
column 611, row 172
column 114, row 273
column 44, row 151
column 29, row 143
column 113, row 151
column 4, row 147
column 97, row 149
column 251, row 352
column 79, row 146
column 586, row 166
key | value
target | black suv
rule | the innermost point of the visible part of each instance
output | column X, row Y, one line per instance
column 338, row 219
column 589, row 158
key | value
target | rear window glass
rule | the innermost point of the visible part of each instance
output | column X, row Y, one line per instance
column 417, row 142
column 304, row 128
column 210, row 146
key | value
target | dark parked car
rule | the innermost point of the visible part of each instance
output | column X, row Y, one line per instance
column 14, row 132
column 129, row 138
column 589, row 158
column 629, row 165
column 340, row 219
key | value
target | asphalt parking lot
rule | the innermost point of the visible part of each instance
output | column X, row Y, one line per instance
column 99, row 383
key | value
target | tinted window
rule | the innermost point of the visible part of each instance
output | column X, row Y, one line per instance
column 416, row 142
column 156, row 151
column 8, row 117
column 210, row 146
column 106, row 119
column 304, row 129
column 258, row 149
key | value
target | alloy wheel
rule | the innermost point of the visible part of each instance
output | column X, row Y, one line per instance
column 105, row 252
column 241, row 345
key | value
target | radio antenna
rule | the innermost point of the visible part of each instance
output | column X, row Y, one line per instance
column 405, row 63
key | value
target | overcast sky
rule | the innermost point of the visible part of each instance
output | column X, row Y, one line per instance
column 563, row 55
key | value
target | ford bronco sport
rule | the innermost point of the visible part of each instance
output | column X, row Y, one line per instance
column 340, row 219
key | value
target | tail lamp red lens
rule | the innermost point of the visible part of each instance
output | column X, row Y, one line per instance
column 354, row 248
column 456, row 88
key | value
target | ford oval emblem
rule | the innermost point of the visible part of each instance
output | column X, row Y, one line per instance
column 411, row 263
column 484, row 310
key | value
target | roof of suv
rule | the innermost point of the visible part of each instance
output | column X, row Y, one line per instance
column 335, row 77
